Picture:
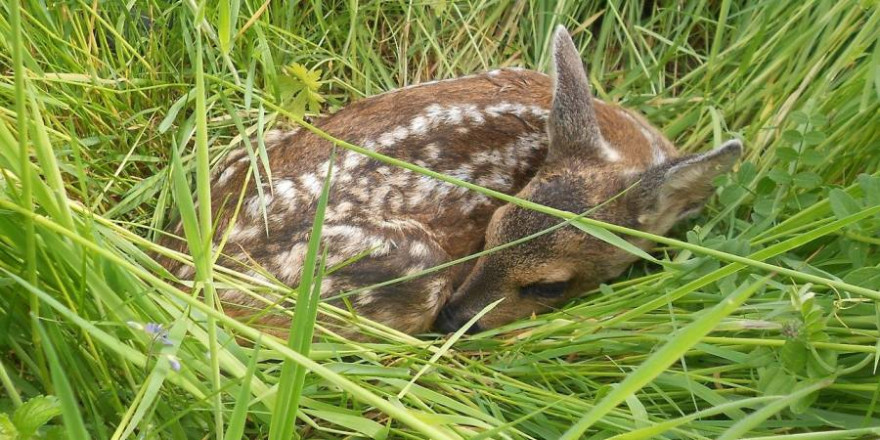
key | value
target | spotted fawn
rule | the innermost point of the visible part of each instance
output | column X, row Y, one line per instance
column 515, row 131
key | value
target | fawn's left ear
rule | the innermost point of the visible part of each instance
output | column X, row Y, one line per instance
column 687, row 185
column 572, row 126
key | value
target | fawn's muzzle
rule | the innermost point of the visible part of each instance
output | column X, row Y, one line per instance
column 448, row 321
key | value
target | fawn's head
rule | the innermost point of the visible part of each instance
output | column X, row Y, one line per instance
column 600, row 158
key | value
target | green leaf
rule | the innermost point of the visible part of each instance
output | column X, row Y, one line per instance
column 70, row 410
column 779, row 176
column 638, row 411
column 814, row 137
column 7, row 428
column 765, row 186
column 866, row 277
column 802, row 404
column 302, row 327
column 35, row 413
column 761, row 357
column 227, row 15
column 741, row 427
column 818, row 120
column 676, row 346
column 821, row 363
column 358, row 423
column 812, row 158
column 731, row 194
column 807, row 180
column 800, row 117
column 235, row 427
column 786, row 154
column 792, row 136
column 870, row 188
column 774, row 381
column 794, row 356
column 172, row 112
column 842, row 203
column 614, row 240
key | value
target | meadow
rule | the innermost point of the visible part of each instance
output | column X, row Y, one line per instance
column 758, row 319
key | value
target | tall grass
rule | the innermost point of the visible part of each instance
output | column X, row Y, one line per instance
column 760, row 322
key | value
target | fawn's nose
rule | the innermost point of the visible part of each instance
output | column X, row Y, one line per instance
column 448, row 322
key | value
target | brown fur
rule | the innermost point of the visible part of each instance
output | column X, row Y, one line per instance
column 596, row 152
column 490, row 129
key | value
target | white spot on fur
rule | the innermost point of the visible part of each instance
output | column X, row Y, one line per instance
column 364, row 299
column 504, row 107
column 273, row 136
column 539, row 112
column 418, row 249
column 608, row 152
column 414, row 269
column 284, row 189
column 473, row 113
column 290, row 263
column 435, row 293
column 311, row 183
column 243, row 232
column 390, row 138
column 431, row 152
column 474, row 202
column 423, row 187
column 327, row 285
column 463, row 172
column 255, row 202
column 419, row 125
column 380, row 246
column 658, row 156
column 353, row 160
column 496, row 110
column 185, row 272
column 339, row 212
column 346, row 231
column 495, row 181
column 226, row 175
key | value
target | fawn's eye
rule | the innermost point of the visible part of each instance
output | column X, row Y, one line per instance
column 544, row 290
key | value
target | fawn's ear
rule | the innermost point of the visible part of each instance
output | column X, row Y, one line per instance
column 685, row 186
column 572, row 126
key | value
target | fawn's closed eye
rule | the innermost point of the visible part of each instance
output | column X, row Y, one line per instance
column 545, row 290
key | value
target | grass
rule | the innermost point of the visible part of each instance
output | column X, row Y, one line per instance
column 759, row 322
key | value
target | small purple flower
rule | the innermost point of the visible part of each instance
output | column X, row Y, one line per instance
column 158, row 333
column 174, row 362
column 153, row 328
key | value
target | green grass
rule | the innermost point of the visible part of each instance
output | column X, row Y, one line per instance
column 759, row 322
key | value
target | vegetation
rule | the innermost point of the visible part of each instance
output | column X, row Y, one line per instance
column 758, row 320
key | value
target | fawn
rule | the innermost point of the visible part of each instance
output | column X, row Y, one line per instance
column 512, row 130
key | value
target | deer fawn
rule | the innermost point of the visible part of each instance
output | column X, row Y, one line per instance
column 514, row 131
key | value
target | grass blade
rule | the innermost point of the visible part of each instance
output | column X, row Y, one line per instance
column 677, row 345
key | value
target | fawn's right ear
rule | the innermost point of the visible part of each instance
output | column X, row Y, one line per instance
column 572, row 126
column 682, row 189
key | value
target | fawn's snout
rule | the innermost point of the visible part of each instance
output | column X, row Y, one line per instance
column 602, row 159
column 450, row 320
